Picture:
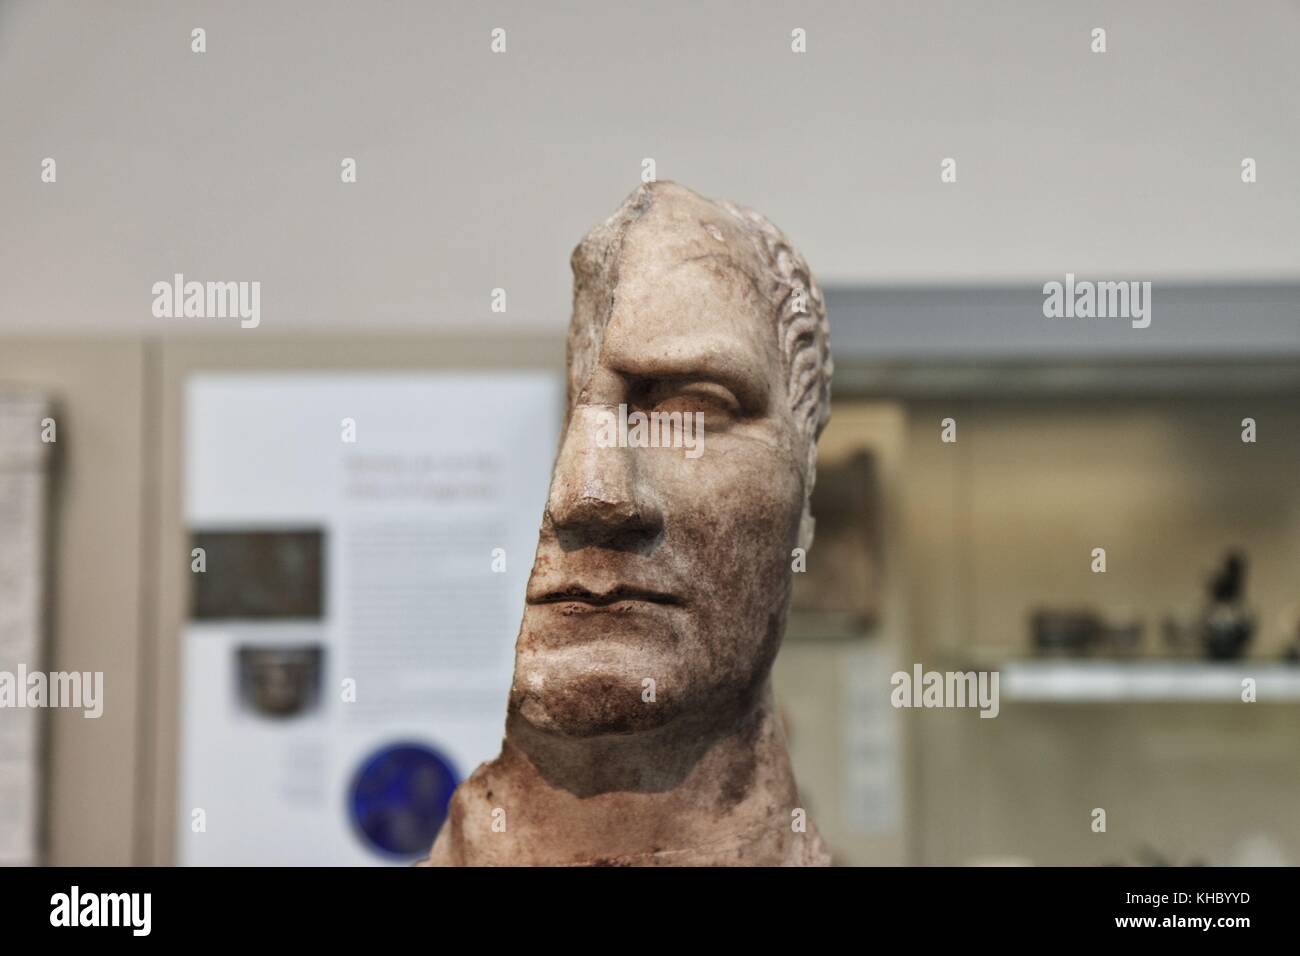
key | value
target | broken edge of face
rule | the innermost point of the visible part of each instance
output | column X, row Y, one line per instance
column 798, row 312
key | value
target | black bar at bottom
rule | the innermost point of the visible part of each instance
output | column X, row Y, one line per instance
column 398, row 908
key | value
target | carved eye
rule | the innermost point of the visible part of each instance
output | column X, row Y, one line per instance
column 715, row 401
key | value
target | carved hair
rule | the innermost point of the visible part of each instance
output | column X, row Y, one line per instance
column 801, row 324
column 799, row 311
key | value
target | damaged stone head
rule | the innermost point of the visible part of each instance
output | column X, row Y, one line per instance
column 641, row 727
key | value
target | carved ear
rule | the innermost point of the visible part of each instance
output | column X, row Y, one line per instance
column 807, row 525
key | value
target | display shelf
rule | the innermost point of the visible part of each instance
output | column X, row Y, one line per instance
column 1139, row 680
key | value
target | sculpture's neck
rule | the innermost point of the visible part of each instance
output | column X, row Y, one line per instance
column 686, row 792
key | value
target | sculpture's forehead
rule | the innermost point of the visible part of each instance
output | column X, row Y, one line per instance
column 687, row 290
column 690, row 258
column 682, row 226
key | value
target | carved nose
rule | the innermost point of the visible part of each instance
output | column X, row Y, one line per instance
column 597, row 494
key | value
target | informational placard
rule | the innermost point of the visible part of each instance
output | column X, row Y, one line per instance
column 27, row 433
column 360, row 546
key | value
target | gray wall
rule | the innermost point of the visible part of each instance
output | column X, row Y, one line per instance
column 481, row 170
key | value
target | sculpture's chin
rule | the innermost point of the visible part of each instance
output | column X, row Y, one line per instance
column 590, row 703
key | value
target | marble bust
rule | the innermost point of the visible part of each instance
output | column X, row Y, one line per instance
column 641, row 728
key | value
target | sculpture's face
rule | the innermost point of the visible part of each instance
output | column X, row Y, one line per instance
column 667, row 564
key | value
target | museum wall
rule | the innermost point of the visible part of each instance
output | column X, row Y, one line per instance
column 478, row 172
column 976, row 535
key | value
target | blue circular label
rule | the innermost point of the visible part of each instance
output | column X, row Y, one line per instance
column 398, row 799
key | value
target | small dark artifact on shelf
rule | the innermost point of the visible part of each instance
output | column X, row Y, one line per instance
column 1227, row 626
